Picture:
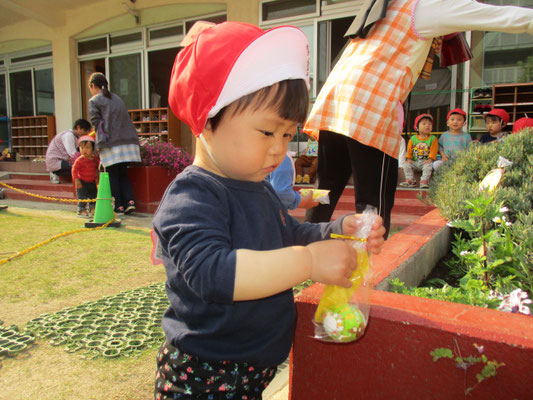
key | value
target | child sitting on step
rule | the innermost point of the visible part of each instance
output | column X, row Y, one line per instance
column 422, row 150
column 85, row 176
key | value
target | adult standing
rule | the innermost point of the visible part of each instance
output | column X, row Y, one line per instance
column 63, row 148
column 116, row 140
column 357, row 116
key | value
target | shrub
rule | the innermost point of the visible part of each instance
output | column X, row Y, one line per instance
column 457, row 183
column 492, row 252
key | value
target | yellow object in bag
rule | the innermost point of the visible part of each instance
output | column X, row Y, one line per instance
column 335, row 295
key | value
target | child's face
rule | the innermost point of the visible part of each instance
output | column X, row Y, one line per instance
column 86, row 149
column 247, row 146
column 455, row 122
column 425, row 126
column 494, row 125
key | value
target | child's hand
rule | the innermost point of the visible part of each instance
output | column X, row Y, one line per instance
column 444, row 157
column 306, row 200
column 333, row 262
column 375, row 240
column 77, row 183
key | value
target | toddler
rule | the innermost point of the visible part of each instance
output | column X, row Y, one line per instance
column 421, row 152
column 454, row 139
column 307, row 159
column 495, row 120
column 85, row 175
column 232, row 253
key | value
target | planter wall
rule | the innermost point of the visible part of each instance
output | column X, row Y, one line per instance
column 149, row 184
column 392, row 360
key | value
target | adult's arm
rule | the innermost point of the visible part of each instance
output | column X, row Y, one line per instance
column 437, row 17
column 70, row 141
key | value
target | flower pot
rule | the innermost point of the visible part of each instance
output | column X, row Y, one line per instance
column 149, row 184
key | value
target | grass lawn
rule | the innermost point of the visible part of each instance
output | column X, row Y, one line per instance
column 67, row 272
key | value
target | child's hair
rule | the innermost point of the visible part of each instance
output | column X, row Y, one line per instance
column 82, row 124
column 289, row 98
column 493, row 118
column 456, row 111
column 87, row 141
column 99, row 80
column 422, row 117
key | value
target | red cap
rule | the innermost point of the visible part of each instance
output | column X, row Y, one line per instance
column 225, row 62
column 522, row 123
column 499, row 112
column 86, row 138
column 417, row 119
column 456, row 111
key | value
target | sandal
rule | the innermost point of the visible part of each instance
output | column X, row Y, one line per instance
column 408, row 184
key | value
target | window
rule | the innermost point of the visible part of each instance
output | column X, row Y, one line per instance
column 44, row 91
column 3, row 96
column 98, row 45
column 21, row 93
column 125, row 79
column 135, row 37
column 502, row 57
column 287, row 8
column 166, row 32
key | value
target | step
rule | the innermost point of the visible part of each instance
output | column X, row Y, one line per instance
column 36, row 184
column 15, row 195
column 23, row 166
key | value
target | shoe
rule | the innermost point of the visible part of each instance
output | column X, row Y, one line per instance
column 298, row 178
column 487, row 93
column 130, row 207
column 54, row 178
column 408, row 184
column 119, row 210
column 478, row 93
column 424, row 184
column 83, row 214
column 2, row 193
column 487, row 108
column 306, row 179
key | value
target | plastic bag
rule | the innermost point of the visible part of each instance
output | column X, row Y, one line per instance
column 492, row 179
column 342, row 314
column 320, row 195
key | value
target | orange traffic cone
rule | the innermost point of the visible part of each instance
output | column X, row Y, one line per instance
column 103, row 212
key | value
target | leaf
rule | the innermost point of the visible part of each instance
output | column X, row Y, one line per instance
column 441, row 352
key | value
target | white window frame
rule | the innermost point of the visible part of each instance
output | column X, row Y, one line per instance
column 281, row 21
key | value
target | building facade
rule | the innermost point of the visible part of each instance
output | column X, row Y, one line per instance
column 48, row 50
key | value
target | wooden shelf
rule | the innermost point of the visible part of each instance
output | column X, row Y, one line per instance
column 515, row 98
column 159, row 122
column 31, row 135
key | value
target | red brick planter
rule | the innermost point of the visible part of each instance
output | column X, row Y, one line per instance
column 149, row 184
column 392, row 360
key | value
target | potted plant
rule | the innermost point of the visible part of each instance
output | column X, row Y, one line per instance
column 160, row 163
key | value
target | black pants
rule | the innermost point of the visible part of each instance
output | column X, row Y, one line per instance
column 120, row 184
column 375, row 176
column 87, row 191
column 65, row 170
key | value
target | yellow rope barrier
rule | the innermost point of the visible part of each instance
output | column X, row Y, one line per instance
column 50, row 198
column 20, row 253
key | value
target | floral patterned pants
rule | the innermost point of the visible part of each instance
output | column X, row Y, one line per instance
column 182, row 376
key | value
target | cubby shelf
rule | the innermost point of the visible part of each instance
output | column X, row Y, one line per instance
column 30, row 135
column 515, row 98
column 159, row 122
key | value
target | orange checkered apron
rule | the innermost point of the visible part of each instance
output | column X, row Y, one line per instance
column 362, row 93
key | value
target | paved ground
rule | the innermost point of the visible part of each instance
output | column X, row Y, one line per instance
column 277, row 390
